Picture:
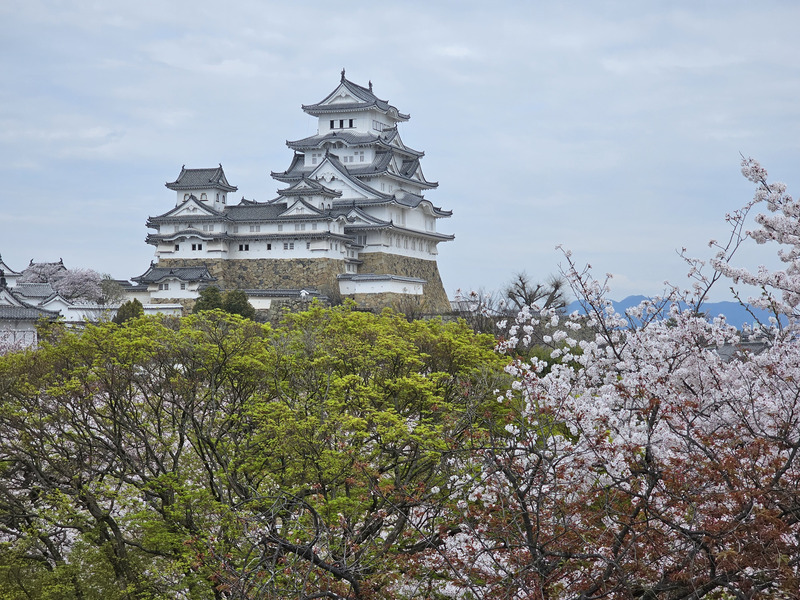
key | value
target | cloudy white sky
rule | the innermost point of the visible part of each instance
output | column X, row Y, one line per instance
column 613, row 128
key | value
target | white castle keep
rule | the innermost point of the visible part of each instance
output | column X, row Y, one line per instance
column 351, row 221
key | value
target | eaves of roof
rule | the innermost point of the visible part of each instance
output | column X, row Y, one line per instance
column 25, row 313
column 193, row 179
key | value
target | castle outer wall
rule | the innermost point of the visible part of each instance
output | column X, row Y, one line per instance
column 321, row 274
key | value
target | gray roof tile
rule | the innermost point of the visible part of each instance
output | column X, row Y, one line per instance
column 192, row 179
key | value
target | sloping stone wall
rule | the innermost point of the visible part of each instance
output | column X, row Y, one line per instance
column 269, row 273
column 320, row 274
column 434, row 298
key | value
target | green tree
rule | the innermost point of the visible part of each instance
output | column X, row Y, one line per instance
column 210, row 298
column 236, row 303
column 210, row 455
column 128, row 310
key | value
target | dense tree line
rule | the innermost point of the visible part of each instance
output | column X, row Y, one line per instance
column 211, row 457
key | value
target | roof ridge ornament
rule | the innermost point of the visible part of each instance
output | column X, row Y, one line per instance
column 370, row 85
column 342, row 74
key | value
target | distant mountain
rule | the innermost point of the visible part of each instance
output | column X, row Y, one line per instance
column 735, row 313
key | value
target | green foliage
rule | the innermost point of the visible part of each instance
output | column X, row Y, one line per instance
column 236, row 303
column 127, row 311
column 147, row 460
column 210, row 298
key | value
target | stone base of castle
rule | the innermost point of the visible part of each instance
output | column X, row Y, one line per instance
column 321, row 274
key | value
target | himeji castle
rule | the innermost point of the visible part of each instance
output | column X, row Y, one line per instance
column 351, row 218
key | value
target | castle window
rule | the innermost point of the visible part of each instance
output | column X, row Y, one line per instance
column 280, row 226
column 314, row 226
column 197, row 246
column 183, row 286
column 288, row 245
column 208, row 227
column 360, row 154
column 163, row 286
column 177, row 247
column 203, row 196
column 269, row 246
column 308, row 245
column 177, row 228
column 217, row 197
column 299, row 226
column 315, row 157
column 235, row 229
column 244, row 247
column 223, row 198
column 255, row 228
column 351, row 123
column 341, row 123
column 331, row 123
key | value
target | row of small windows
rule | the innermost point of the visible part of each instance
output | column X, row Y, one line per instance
column 286, row 246
column 343, row 123
column 352, row 158
column 165, row 286
column 406, row 244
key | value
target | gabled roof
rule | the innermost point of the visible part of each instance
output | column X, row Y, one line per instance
column 195, row 179
column 354, row 214
column 351, row 97
column 313, row 210
column 6, row 269
column 13, row 307
column 190, row 274
column 205, row 211
column 307, row 187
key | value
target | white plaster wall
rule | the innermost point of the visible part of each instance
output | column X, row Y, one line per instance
column 175, row 310
column 17, row 334
column 259, row 302
column 376, row 287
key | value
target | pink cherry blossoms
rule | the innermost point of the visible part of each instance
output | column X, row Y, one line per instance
column 640, row 460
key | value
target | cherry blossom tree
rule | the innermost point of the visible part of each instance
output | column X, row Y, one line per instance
column 643, row 462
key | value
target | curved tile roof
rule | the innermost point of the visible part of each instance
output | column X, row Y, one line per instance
column 155, row 274
column 366, row 100
column 192, row 179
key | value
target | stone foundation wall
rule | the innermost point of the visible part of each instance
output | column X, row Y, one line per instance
column 320, row 274
column 269, row 273
column 434, row 298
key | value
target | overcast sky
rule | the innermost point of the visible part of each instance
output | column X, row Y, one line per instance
column 613, row 128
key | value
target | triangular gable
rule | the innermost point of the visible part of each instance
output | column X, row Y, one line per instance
column 56, row 302
column 310, row 187
column 300, row 208
column 9, row 298
column 191, row 208
column 341, row 95
column 358, row 216
column 328, row 171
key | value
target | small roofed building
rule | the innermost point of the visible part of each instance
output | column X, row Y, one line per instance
column 18, row 318
column 166, row 284
column 352, row 219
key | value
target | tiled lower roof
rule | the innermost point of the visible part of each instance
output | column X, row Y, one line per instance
column 25, row 313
